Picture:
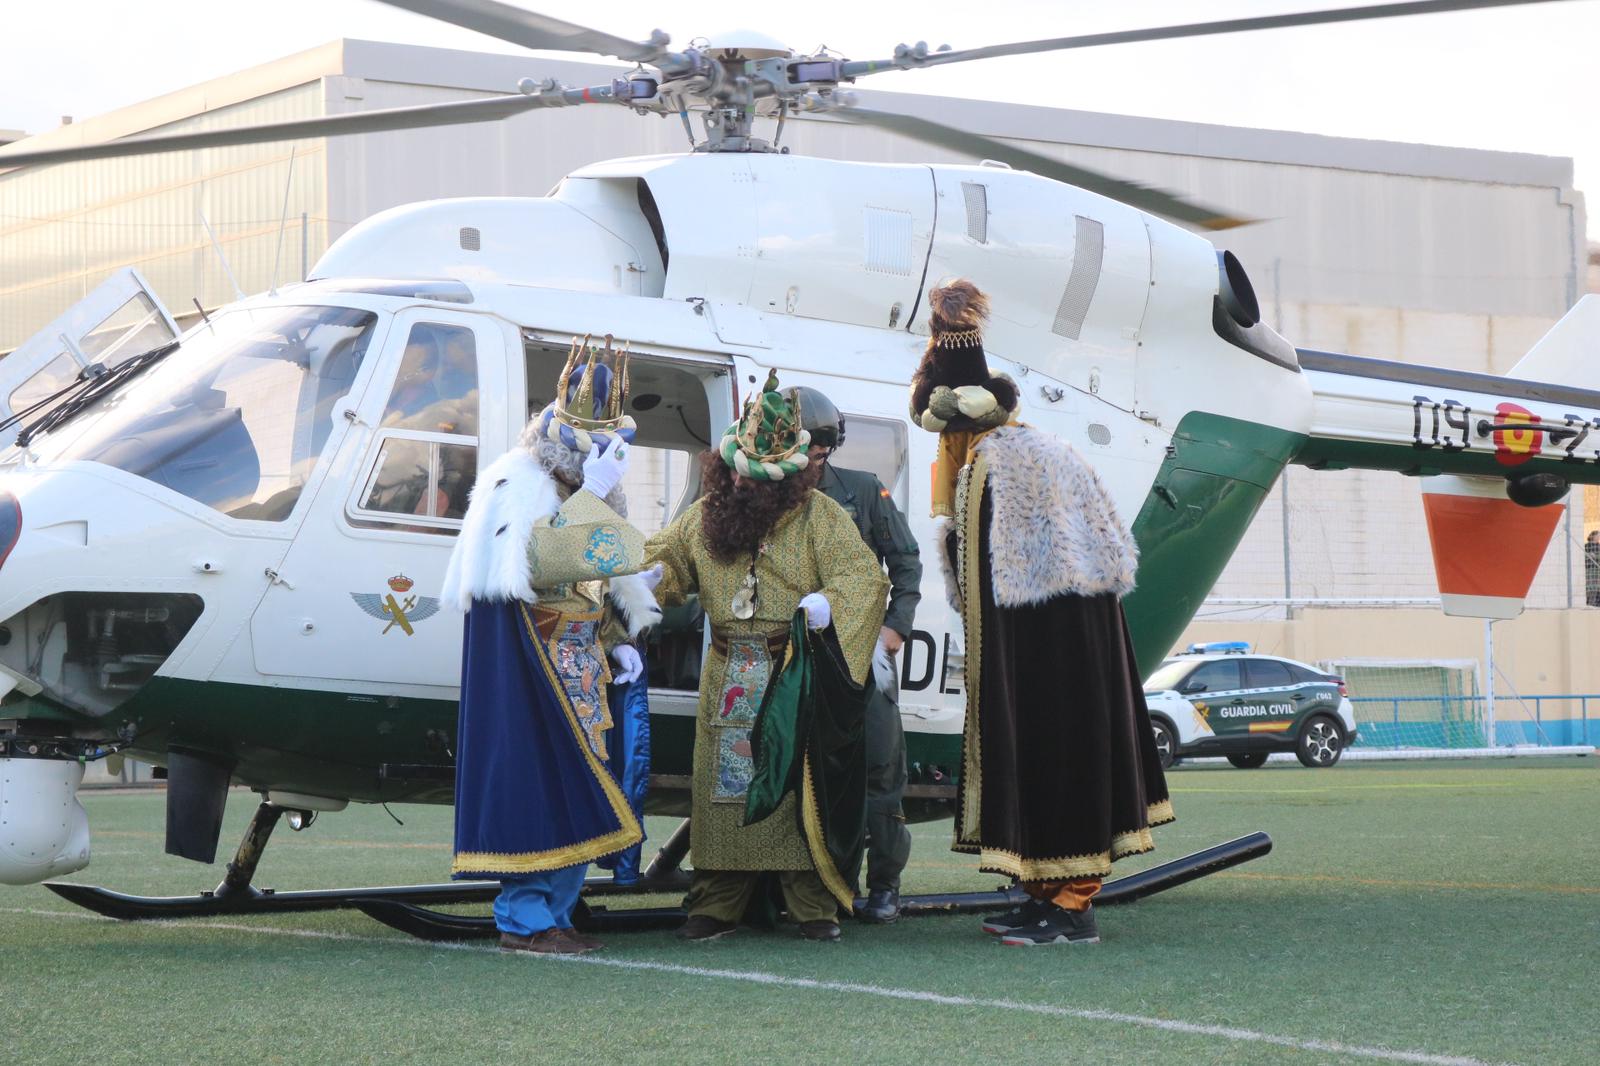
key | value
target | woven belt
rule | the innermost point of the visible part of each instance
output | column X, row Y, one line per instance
column 546, row 619
column 721, row 638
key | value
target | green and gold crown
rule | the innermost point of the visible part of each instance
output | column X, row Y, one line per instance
column 768, row 442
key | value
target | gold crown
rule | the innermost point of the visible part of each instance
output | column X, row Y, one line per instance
column 586, row 410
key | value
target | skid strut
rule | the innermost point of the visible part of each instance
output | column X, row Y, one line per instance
column 235, row 894
column 433, row 925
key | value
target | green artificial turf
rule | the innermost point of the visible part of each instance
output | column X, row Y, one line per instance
column 1448, row 909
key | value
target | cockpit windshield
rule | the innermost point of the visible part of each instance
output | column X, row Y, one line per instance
column 237, row 417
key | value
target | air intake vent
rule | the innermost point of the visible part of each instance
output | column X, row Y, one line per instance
column 1087, row 253
column 1099, row 434
column 888, row 241
column 471, row 239
column 977, row 198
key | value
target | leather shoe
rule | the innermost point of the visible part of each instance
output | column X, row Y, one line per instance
column 588, row 943
column 705, row 927
column 820, row 930
column 881, row 908
column 544, row 942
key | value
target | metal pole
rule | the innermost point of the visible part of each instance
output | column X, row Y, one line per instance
column 1488, row 691
column 1288, row 580
column 1569, row 555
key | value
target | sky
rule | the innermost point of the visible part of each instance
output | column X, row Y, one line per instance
column 1521, row 79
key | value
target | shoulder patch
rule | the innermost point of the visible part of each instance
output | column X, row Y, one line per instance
column 883, row 492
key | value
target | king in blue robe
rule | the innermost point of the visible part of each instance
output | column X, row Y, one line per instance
column 546, row 568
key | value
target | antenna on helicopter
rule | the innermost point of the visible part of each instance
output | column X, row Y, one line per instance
column 283, row 221
column 221, row 256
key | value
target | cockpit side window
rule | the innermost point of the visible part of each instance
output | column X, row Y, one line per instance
column 437, row 388
column 427, row 453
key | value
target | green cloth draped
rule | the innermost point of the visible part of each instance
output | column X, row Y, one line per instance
column 813, row 707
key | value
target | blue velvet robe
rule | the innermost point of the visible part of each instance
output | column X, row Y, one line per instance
column 531, row 794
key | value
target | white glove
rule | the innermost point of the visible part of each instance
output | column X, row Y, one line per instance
column 630, row 666
column 602, row 471
column 652, row 577
column 819, row 613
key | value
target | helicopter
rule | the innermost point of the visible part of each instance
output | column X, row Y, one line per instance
column 221, row 554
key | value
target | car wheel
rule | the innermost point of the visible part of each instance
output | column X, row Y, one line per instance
column 1321, row 742
column 1250, row 760
column 1166, row 742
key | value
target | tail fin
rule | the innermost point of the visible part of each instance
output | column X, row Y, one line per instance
column 1567, row 355
column 1486, row 549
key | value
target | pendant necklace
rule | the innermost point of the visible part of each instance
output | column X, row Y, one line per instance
column 745, row 600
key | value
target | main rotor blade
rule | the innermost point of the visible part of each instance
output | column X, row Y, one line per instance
column 459, row 112
column 533, row 30
column 1131, row 193
column 906, row 59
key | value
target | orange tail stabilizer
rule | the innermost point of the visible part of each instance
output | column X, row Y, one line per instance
column 1486, row 549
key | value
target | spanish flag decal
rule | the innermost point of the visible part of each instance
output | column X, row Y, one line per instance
column 1513, row 447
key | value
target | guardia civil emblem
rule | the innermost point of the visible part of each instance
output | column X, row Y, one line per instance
column 397, row 607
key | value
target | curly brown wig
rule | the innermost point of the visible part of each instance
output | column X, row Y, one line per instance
column 737, row 516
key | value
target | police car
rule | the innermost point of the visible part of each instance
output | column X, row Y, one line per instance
column 1218, row 699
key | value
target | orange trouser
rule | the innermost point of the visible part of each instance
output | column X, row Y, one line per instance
column 1073, row 895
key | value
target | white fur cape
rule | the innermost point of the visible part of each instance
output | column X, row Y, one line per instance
column 490, row 559
column 1053, row 528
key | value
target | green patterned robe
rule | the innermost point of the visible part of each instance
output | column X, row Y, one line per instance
column 813, row 548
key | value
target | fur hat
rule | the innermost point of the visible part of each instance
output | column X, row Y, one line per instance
column 767, row 443
column 953, row 388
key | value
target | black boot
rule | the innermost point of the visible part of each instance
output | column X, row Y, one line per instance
column 881, row 908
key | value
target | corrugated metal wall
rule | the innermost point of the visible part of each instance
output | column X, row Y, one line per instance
column 64, row 228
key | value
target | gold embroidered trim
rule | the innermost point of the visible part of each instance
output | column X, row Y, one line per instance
column 524, row 862
column 969, row 515
column 960, row 338
column 598, row 616
column 1132, row 842
column 816, row 842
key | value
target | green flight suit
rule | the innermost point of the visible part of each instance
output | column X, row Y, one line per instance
column 884, row 529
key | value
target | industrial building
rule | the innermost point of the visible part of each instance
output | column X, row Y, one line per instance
column 1455, row 257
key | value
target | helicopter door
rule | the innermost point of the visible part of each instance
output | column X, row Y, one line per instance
column 358, row 595
column 120, row 318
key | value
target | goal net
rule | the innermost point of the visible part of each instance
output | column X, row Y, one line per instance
column 1414, row 703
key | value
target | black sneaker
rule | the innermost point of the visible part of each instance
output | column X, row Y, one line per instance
column 881, row 908
column 1015, row 918
column 1058, row 926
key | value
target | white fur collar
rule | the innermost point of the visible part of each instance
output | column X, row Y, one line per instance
column 1053, row 529
column 490, row 559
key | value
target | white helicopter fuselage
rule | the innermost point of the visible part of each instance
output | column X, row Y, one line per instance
column 291, row 664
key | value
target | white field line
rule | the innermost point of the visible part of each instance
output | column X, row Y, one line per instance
column 756, row 977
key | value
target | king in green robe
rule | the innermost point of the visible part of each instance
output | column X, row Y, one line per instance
column 758, row 546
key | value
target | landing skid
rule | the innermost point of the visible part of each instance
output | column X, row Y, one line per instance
column 236, row 895
column 406, row 907
column 426, row 924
